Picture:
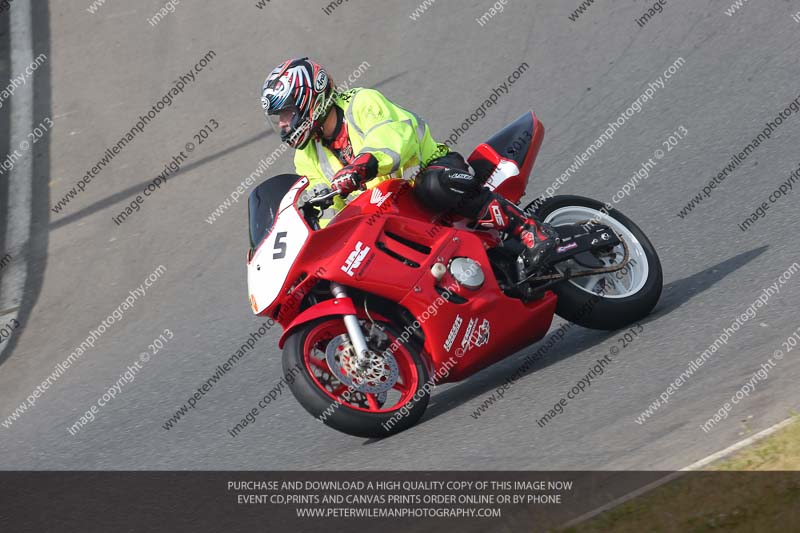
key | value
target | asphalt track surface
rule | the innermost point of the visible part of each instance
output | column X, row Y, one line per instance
column 107, row 68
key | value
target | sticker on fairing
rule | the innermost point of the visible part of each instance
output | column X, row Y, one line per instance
column 355, row 259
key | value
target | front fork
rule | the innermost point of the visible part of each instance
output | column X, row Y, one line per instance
column 353, row 329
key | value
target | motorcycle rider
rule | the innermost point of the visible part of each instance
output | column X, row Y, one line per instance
column 352, row 140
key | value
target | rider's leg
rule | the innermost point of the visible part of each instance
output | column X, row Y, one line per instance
column 448, row 185
column 501, row 214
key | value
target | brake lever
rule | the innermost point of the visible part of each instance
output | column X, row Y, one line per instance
column 324, row 201
column 318, row 196
column 313, row 207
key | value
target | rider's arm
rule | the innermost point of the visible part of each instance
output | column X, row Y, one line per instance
column 305, row 166
column 388, row 130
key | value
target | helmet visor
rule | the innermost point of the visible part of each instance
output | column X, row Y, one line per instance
column 288, row 125
column 283, row 121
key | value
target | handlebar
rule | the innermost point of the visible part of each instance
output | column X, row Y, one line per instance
column 314, row 206
column 323, row 198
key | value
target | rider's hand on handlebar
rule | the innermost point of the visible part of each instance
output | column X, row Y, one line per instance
column 345, row 182
column 354, row 175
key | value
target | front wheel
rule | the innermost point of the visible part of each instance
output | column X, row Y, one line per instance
column 388, row 397
column 613, row 300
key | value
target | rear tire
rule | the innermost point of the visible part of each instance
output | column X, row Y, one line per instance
column 580, row 305
column 353, row 414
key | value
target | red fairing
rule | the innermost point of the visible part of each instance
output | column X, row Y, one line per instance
column 462, row 338
column 385, row 243
column 506, row 160
column 339, row 306
column 390, row 197
column 505, row 179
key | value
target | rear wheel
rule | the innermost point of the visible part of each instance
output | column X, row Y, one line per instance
column 613, row 300
column 381, row 400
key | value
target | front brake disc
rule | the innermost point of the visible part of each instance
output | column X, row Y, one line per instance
column 379, row 376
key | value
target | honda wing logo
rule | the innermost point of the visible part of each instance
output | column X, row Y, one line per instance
column 355, row 259
column 378, row 197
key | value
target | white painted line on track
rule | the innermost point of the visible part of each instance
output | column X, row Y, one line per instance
column 20, row 177
column 738, row 446
column 694, row 466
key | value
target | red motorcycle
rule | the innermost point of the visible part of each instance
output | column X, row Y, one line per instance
column 390, row 298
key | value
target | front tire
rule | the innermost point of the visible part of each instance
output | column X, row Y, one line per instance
column 335, row 404
column 608, row 301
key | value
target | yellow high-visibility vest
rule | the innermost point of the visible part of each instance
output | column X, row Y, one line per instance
column 397, row 138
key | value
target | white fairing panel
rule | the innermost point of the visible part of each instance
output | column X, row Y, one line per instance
column 267, row 271
column 291, row 194
column 505, row 169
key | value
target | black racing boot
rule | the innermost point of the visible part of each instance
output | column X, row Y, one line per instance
column 539, row 238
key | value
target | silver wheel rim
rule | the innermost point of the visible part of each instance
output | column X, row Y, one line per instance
column 620, row 284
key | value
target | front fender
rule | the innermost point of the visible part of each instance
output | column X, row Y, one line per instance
column 338, row 306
